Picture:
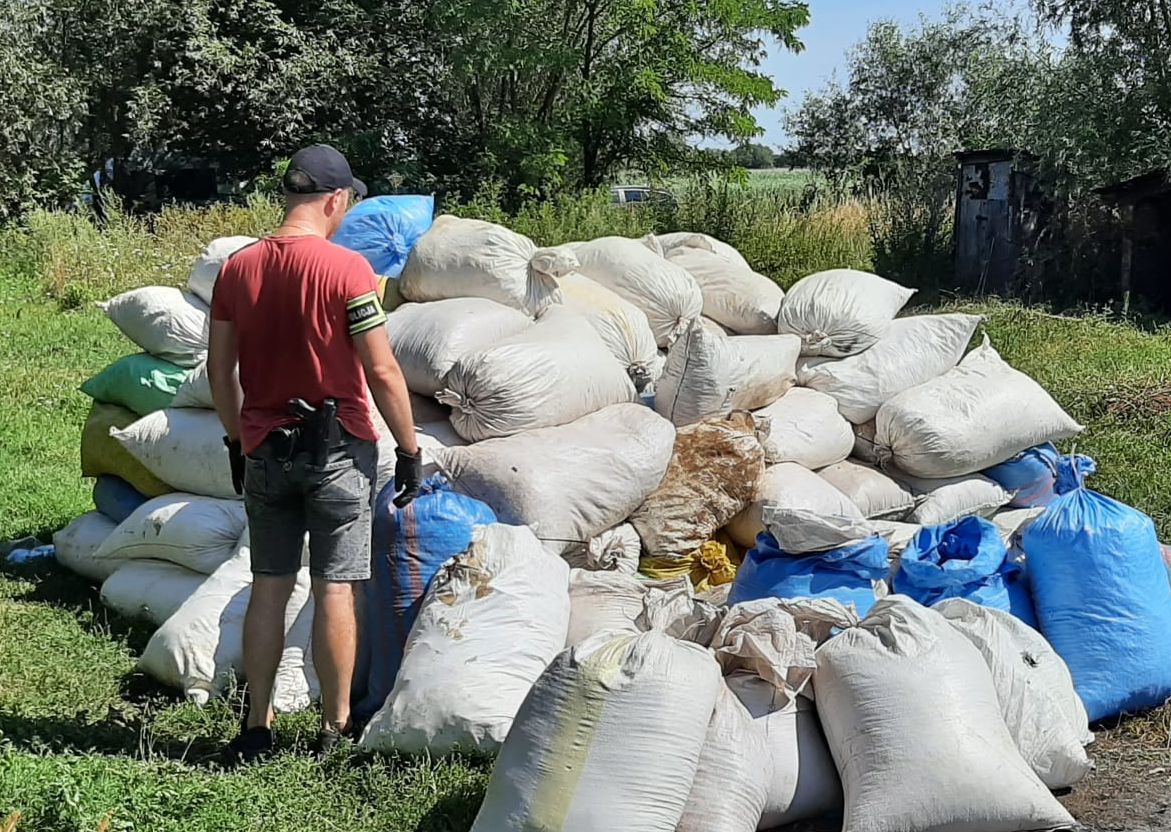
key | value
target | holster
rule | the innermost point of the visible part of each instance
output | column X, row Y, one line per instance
column 316, row 433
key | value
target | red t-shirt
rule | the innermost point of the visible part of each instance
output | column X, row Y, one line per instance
column 296, row 302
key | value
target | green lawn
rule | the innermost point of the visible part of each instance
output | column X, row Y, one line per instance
column 88, row 744
column 85, row 742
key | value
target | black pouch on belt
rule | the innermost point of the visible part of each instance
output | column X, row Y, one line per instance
column 318, row 432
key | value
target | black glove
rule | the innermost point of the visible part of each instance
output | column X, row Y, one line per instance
column 236, row 458
column 408, row 476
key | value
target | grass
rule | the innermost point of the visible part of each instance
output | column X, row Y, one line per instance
column 86, row 743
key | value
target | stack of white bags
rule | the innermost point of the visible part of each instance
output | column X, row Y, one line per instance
column 568, row 388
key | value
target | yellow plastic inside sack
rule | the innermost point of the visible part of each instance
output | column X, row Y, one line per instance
column 708, row 566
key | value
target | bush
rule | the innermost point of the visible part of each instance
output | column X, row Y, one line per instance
column 77, row 261
column 781, row 234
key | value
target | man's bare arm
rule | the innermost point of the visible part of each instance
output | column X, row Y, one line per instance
column 388, row 386
column 221, row 372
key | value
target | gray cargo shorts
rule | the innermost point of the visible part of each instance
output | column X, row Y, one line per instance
column 333, row 503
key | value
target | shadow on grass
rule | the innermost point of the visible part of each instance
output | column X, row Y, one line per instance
column 453, row 812
column 61, row 589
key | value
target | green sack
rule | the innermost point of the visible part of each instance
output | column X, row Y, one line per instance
column 141, row 383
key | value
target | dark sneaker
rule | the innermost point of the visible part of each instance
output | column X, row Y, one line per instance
column 330, row 738
column 253, row 745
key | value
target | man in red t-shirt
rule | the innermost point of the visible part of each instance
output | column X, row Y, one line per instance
column 302, row 318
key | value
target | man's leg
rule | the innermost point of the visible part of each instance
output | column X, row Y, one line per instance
column 276, row 531
column 264, row 642
column 335, row 648
column 338, row 513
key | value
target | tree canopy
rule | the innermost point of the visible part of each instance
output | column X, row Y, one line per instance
column 542, row 94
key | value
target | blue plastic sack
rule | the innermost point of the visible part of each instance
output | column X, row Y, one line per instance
column 409, row 546
column 846, row 574
column 1103, row 600
column 384, row 229
column 1037, row 476
column 966, row 559
column 116, row 498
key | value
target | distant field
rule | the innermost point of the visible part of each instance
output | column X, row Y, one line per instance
column 781, row 178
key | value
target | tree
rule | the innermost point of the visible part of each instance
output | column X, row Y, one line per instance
column 1114, row 86
column 913, row 98
column 43, row 107
column 566, row 91
column 752, row 156
column 443, row 95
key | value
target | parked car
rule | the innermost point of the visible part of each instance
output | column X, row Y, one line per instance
column 634, row 195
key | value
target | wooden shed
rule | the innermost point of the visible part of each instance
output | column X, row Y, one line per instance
column 995, row 194
column 1144, row 208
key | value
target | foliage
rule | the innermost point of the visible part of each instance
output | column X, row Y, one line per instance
column 78, row 262
column 441, row 96
column 752, row 156
column 558, row 92
column 43, row 108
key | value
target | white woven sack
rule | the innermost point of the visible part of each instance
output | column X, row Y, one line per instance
column 715, row 328
column 939, row 501
column 765, row 763
column 614, row 550
column 198, row 533
column 555, row 371
column 200, row 648
column 76, row 544
column 428, row 338
column 491, row 621
column 206, row 269
column 637, row 271
column 1013, row 522
column 798, row 531
column 913, row 720
column 569, row 483
column 734, row 295
column 195, row 391
column 913, row 351
column 459, row 258
column 840, row 312
column 707, row 375
column 613, row 602
column 609, row 738
column 184, row 448
column 806, row 428
column 163, row 321
column 865, row 449
column 693, row 239
column 152, row 590
column 1035, row 689
column 793, row 486
column 621, row 325
column 875, row 494
column 432, row 430
column 973, row 417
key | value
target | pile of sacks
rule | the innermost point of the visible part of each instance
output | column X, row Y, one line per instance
column 738, row 557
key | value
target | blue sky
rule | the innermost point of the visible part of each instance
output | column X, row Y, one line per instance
column 836, row 26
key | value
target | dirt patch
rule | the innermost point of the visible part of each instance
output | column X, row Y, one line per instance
column 1130, row 787
column 1138, row 402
